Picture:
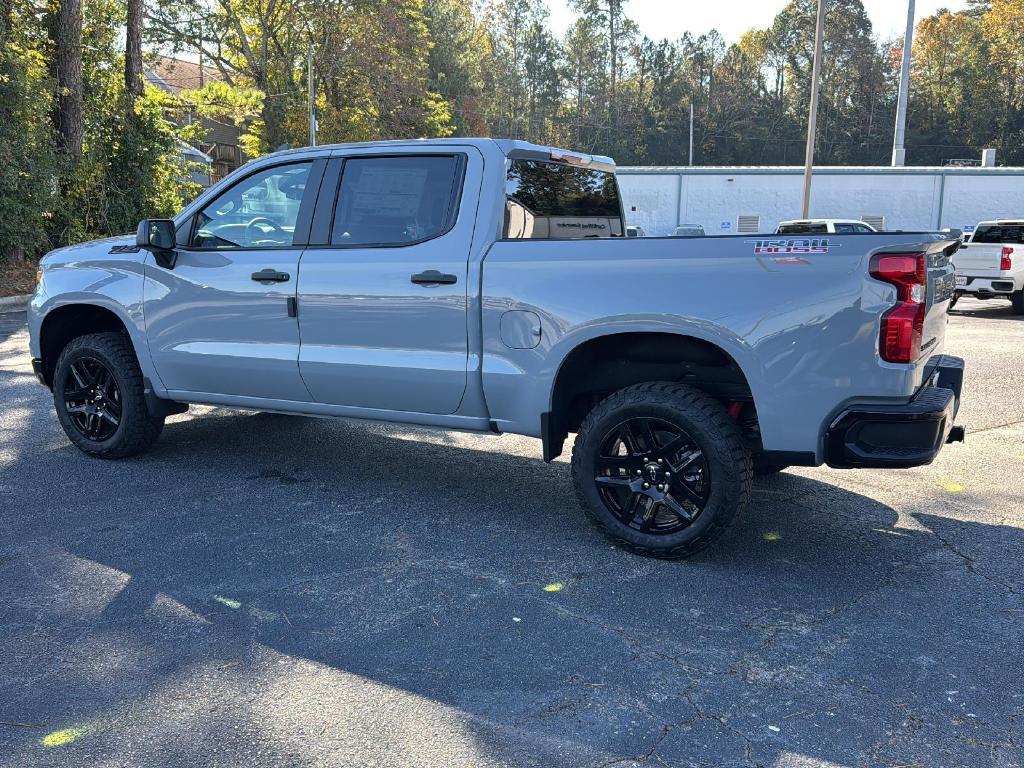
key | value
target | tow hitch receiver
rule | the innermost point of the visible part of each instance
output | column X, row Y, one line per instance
column 957, row 435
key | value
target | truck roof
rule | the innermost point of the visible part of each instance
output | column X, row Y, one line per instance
column 508, row 147
column 823, row 221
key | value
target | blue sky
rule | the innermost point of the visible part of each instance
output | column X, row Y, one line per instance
column 671, row 18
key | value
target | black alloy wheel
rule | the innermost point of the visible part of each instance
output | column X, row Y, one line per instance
column 652, row 476
column 661, row 468
column 92, row 399
column 100, row 397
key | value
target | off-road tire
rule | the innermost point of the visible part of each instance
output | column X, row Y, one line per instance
column 715, row 434
column 137, row 430
column 1017, row 300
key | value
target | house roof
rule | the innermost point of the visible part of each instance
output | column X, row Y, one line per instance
column 175, row 75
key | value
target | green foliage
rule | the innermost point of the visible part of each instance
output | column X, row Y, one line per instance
column 132, row 169
column 28, row 171
column 420, row 68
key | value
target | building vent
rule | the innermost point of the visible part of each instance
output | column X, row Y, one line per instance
column 878, row 222
column 749, row 224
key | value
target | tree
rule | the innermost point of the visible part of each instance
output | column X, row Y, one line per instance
column 952, row 94
column 543, row 79
column 257, row 41
column 67, row 45
column 133, row 86
column 1003, row 30
column 29, row 169
column 585, row 57
column 458, row 52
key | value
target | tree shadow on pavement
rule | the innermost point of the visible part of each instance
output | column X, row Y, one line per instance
column 283, row 591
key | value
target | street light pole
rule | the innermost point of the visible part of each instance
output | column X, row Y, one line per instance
column 899, row 152
column 691, row 133
column 312, row 95
column 812, row 119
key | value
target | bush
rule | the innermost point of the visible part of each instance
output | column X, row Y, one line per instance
column 28, row 163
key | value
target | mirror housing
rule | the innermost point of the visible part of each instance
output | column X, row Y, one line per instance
column 158, row 236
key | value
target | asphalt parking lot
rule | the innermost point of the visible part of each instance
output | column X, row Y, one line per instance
column 275, row 591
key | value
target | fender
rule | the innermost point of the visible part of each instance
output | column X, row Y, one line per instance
column 554, row 432
column 114, row 284
column 676, row 325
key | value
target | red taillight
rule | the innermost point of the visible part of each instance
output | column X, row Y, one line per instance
column 1005, row 262
column 903, row 325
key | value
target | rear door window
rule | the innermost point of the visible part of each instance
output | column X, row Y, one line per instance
column 553, row 200
column 393, row 201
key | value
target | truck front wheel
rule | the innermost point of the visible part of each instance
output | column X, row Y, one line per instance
column 99, row 397
column 661, row 468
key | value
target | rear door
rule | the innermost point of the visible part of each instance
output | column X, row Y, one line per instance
column 382, row 291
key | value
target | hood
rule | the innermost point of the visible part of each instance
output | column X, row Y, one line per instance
column 90, row 249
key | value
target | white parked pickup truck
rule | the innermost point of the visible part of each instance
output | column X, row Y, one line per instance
column 991, row 263
column 823, row 226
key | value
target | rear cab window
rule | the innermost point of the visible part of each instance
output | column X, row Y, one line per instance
column 546, row 200
column 803, row 229
column 999, row 233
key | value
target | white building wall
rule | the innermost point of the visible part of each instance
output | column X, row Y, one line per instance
column 659, row 199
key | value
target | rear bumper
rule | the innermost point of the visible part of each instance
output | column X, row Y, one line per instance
column 900, row 435
column 988, row 286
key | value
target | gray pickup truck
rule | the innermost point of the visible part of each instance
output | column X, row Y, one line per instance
column 486, row 285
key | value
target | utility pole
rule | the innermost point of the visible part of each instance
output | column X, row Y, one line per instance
column 691, row 133
column 899, row 153
column 812, row 119
column 312, row 94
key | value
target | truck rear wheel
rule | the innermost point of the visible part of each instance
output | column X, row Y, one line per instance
column 99, row 397
column 661, row 468
column 1017, row 299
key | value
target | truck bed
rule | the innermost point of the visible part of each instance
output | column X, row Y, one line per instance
column 799, row 317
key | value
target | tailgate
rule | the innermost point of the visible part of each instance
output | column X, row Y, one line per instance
column 941, row 287
column 978, row 258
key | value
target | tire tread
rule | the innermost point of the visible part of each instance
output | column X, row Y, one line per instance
column 706, row 408
column 140, row 429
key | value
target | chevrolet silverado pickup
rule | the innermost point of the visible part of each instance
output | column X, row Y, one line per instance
column 486, row 285
column 991, row 264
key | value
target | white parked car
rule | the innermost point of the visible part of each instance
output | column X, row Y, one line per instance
column 991, row 263
column 823, row 227
column 635, row 231
column 689, row 230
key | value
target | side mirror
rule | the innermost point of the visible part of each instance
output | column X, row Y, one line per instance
column 157, row 235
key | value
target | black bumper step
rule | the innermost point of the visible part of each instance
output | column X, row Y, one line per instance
column 901, row 434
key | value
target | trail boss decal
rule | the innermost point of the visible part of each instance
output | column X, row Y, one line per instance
column 775, row 247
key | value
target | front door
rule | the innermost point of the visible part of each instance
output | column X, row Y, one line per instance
column 382, row 302
column 222, row 320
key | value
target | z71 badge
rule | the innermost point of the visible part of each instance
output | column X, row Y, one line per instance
column 812, row 245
